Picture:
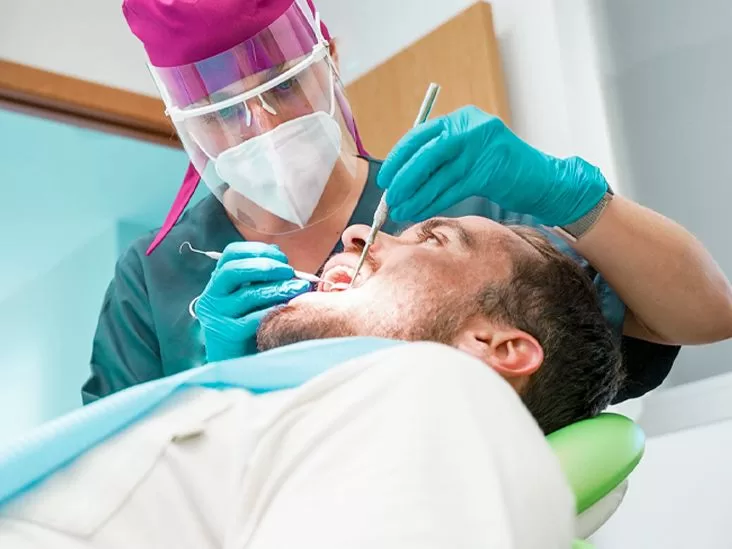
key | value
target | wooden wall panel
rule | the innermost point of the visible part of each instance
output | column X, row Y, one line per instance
column 462, row 56
column 68, row 99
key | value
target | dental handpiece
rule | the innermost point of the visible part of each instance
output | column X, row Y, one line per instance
column 382, row 210
column 217, row 255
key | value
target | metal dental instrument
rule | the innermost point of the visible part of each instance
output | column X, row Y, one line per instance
column 217, row 255
column 213, row 255
column 382, row 210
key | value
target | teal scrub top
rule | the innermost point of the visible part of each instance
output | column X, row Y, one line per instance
column 145, row 331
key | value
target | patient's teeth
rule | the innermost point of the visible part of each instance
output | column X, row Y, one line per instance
column 336, row 271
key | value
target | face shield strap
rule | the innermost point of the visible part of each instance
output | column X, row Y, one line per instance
column 313, row 17
column 321, row 38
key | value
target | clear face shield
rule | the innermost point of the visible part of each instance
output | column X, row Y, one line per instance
column 263, row 125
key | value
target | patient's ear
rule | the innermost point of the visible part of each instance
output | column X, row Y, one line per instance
column 511, row 352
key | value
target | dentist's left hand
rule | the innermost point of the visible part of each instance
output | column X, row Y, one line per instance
column 249, row 280
column 471, row 153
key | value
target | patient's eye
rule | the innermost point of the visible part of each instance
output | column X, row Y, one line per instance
column 425, row 235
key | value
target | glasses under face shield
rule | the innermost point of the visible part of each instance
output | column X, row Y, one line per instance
column 263, row 126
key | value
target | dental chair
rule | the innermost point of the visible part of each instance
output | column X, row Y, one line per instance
column 597, row 455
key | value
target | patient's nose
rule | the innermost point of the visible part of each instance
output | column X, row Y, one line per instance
column 354, row 237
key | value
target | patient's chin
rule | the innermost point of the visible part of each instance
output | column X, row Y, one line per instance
column 292, row 324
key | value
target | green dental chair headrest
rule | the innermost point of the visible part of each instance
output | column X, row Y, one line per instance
column 597, row 455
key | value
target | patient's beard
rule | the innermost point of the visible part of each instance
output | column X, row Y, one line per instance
column 430, row 321
column 287, row 325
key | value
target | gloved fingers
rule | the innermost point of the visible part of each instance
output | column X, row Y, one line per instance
column 233, row 335
column 443, row 188
column 217, row 353
column 406, row 148
column 455, row 192
column 442, row 203
column 222, row 346
column 236, row 273
column 259, row 296
column 245, row 250
column 418, row 171
column 230, row 342
column 236, row 331
column 255, row 318
column 212, row 310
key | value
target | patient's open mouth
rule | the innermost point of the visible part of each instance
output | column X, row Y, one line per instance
column 336, row 279
column 338, row 272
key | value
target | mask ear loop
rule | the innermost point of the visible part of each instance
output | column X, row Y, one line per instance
column 331, row 64
column 318, row 30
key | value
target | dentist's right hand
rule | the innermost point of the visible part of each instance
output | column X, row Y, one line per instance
column 250, row 279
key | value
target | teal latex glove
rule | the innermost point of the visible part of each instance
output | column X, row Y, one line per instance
column 249, row 280
column 471, row 153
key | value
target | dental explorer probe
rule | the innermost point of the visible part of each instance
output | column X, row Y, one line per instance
column 382, row 210
column 217, row 255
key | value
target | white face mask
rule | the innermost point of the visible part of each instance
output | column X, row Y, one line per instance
column 285, row 170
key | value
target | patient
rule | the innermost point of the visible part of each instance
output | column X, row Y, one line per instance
column 528, row 312
column 348, row 442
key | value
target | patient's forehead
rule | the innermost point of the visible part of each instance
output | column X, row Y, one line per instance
column 476, row 238
column 489, row 234
column 496, row 247
column 481, row 225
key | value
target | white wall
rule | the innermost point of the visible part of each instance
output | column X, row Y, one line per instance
column 665, row 68
column 87, row 39
column 679, row 496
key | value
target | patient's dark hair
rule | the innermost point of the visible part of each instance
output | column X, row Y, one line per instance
column 550, row 297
